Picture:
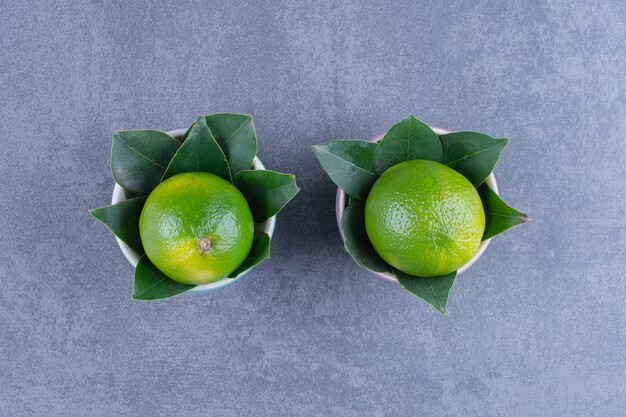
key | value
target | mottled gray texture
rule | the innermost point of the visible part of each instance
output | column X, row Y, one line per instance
column 536, row 328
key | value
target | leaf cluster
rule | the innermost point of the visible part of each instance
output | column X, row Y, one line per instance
column 354, row 165
column 224, row 144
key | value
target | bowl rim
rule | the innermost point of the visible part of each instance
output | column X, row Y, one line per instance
column 132, row 256
column 340, row 206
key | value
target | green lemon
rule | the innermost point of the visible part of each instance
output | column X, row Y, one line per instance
column 196, row 227
column 424, row 218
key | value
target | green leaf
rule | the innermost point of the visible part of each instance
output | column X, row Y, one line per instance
column 260, row 251
column 499, row 216
column 357, row 244
column 433, row 290
column 472, row 154
column 236, row 136
column 267, row 192
column 123, row 220
column 199, row 153
column 152, row 284
column 186, row 134
column 407, row 140
column 349, row 164
column 139, row 158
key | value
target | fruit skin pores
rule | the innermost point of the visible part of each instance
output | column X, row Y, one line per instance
column 424, row 218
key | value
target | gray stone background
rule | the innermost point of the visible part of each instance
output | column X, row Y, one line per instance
column 536, row 328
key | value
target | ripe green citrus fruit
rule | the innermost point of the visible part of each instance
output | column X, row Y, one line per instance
column 196, row 227
column 424, row 218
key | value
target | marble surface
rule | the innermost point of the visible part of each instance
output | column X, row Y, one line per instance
column 536, row 328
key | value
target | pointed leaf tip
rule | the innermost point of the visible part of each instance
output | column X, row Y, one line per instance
column 434, row 290
column 123, row 220
column 349, row 164
column 472, row 154
column 267, row 192
column 139, row 158
column 199, row 152
column 152, row 284
column 499, row 216
column 406, row 140
column 236, row 135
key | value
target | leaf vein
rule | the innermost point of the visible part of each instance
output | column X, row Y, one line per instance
column 122, row 218
column 504, row 215
column 474, row 153
column 151, row 286
column 235, row 131
column 271, row 189
column 142, row 155
column 434, row 292
column 345, row 160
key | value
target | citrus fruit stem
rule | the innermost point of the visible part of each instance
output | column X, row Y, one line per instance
column 205, row 245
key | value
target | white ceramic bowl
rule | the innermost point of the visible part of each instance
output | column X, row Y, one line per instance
column 340, row 206
column 119, row 194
